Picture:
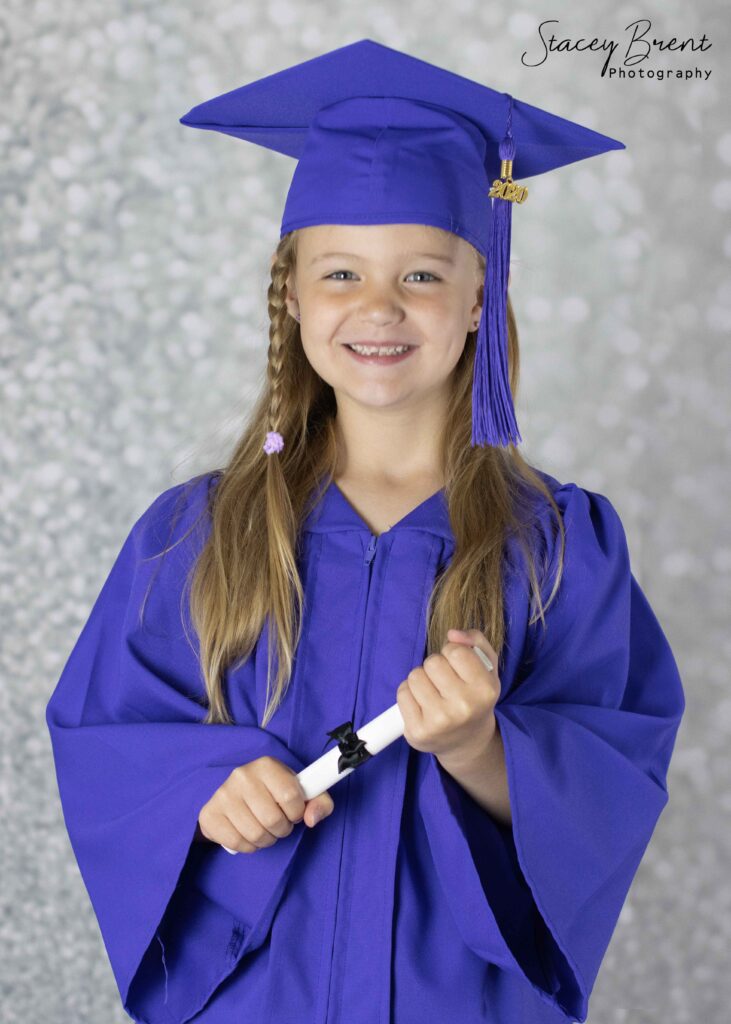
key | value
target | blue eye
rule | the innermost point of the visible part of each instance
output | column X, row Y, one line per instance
column 421, row 272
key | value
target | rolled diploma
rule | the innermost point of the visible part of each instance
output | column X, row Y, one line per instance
column 377, row 734
column 323, row 773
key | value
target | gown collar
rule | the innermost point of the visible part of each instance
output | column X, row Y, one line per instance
column 334, row 512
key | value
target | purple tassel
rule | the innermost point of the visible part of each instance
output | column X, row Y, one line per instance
column 493, row 415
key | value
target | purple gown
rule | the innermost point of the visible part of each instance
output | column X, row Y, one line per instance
column 410, row 904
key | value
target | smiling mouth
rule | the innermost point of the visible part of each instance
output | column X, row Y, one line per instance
column 381, row 354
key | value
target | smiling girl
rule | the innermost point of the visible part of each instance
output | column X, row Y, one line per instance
column 375, row 537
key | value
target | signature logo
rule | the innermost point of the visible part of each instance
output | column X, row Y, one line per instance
column 636, row 49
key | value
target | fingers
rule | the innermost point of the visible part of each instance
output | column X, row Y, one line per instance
column 287, row 797
column 231, row 839
column 260, row 802
column 260, row 820
column 275, row 801
column 318, row 808
column 460, row 649
column 261, row 805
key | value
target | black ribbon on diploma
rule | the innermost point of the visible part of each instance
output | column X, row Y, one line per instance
column 353, row 751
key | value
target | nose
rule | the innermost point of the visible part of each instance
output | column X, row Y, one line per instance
column 380, row 306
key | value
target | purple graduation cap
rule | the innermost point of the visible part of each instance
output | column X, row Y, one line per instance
column 381, row 137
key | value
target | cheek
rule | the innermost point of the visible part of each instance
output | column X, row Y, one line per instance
column 449, row 359
column 448, row 316
column 326, row 359
column 447, row 346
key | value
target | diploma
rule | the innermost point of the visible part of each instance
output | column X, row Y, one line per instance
column 355, row 748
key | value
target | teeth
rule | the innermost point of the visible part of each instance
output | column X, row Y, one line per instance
column 371, row 350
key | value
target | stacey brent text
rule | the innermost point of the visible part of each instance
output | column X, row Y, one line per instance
column 638, row 46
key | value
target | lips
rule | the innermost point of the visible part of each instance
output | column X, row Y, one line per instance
column 375, row 358
column 379, row 344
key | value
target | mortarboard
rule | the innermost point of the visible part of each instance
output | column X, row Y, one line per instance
column 381, row 137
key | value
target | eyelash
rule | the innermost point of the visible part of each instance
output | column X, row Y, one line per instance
column 426, row 272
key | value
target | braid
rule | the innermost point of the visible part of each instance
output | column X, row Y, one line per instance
column 278, row 314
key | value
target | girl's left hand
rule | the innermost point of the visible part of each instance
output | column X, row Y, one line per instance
column 447, row 703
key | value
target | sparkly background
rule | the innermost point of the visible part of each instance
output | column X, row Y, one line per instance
column 133, row 337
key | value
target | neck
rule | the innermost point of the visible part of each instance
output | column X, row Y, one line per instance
column 390, row 446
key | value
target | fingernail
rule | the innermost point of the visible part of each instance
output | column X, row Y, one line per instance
column 317, row 817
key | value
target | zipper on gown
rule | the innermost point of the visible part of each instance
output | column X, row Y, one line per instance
column 370, row 555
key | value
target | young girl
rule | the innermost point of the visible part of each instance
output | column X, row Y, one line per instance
column 375, row 538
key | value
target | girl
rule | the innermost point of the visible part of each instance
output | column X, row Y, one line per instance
column 374, row 529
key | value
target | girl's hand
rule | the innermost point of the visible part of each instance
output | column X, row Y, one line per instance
column 261, row 801
column 447, row 703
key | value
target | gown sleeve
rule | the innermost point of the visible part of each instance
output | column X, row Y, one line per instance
column 588, row 731
column 134, row 766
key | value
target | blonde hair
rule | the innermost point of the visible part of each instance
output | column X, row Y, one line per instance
column 247, row 570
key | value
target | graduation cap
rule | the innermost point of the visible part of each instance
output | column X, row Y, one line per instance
column 381, row 137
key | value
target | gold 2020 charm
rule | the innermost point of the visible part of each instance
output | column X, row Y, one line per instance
column 509, row 190
column 505, row 188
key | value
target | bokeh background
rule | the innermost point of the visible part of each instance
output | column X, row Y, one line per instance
column 133, row 335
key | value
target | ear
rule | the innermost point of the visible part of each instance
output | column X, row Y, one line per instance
column 292, row 300
column 477, row 308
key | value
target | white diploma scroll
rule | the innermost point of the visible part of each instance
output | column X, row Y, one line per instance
column 323, row 773
column 377, row 734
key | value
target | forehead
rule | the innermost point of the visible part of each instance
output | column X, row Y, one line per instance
column 377, row 240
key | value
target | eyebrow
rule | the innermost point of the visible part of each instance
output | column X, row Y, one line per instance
column 353, row 256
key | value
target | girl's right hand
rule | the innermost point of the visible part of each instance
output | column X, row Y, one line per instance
column 261, row 801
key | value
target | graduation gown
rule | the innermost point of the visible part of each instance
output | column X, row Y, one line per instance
column 410, row 903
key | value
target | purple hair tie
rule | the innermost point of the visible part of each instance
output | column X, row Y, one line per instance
column 274, row 442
